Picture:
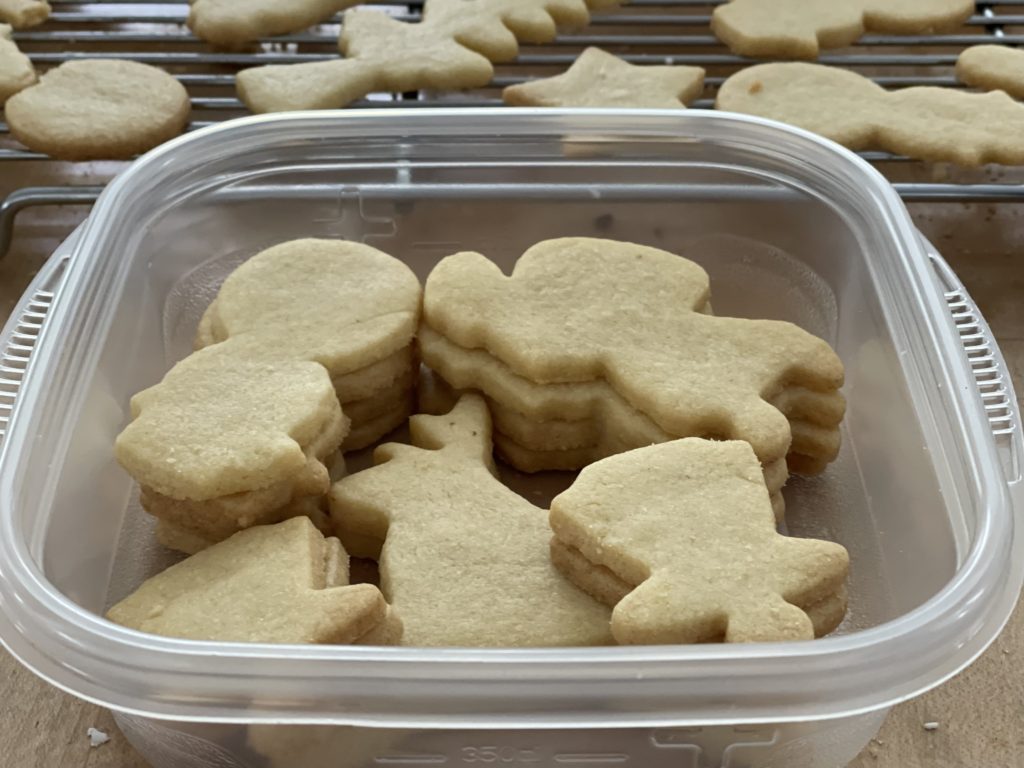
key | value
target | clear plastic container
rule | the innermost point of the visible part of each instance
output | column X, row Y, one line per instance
column 925, row 493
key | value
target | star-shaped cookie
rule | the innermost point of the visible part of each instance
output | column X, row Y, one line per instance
column 599, row 79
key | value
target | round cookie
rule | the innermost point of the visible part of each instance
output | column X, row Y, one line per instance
column 344, row 304
column 97, row 109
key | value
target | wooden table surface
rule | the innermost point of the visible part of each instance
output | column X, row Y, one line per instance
column 979, row 713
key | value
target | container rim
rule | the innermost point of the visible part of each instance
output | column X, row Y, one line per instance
column 167, row 678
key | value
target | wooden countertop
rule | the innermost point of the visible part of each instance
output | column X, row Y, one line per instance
column 978, row 713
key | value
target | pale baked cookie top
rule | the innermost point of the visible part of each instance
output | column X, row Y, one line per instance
column 98, row 109
column 688, row 527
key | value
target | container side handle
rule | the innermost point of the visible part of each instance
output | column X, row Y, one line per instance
column 19, row 338
column 990, row 372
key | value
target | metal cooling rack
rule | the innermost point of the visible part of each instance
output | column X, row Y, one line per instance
column 643, row 32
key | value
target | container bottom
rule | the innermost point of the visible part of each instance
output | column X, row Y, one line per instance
column 821, row 744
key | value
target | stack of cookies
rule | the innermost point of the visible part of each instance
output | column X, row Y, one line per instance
column 229, row 440
column 593, row 354
column 594, row 347
column 680, row 539
column 348, row 306
column 307, row 350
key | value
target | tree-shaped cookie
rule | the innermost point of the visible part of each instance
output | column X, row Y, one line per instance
column 796, row 29
column 463, row 559
column 281, row 583
column 582, row 309
column 687, row 530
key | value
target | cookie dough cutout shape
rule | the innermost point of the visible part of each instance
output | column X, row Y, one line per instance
column 494, row 28
column 281, row 583
column 697, row 551
column 993, row 68
column 585, row 309
column 798, row 29
column 223, row 421
column 24, row 13
column 343, row 304
column 234, row 24
column 97, row 109
column 16, row 71
column 923, row 122
column 451, row 49
column 463, row 559
column 599, row 79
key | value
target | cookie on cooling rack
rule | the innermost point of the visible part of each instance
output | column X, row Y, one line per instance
column 24, row 13
column 234, row 24
column 993, row 67
column 452, row 48
column 923, row 122
column 98, row 109
column 599, row 79
column 798, row 29
column 16, row 71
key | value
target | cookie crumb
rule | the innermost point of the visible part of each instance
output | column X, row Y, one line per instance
column 97, row 738
column 931, row 725
column 756, row 87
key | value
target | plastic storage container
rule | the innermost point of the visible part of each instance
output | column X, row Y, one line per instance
column 925, row 493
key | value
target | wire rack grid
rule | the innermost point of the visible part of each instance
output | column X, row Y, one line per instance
column 642, row 31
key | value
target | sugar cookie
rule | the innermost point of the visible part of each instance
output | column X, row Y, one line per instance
column 797, row 29
column 924, row 122
column 228, row 440
column 16, row 71
column 345, row 305
column 551, row 417
column 993, row 67
column 680, row 538
column 24, row 13
column 599, row 79
column 283, row 583
column 452, row 48
column 95, row 109
column 233, row 24
column 464, row 560
column 579, row 311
